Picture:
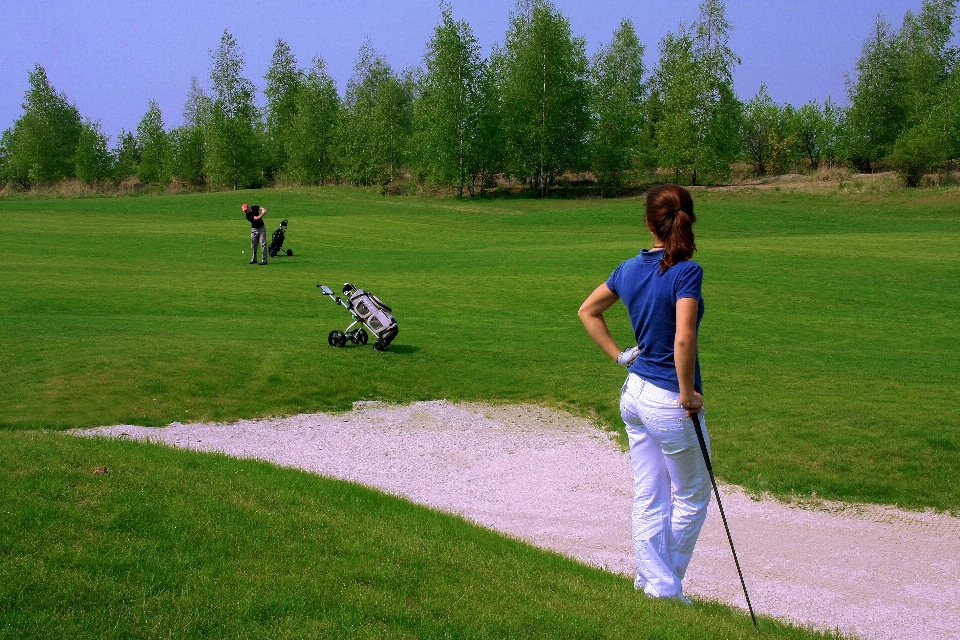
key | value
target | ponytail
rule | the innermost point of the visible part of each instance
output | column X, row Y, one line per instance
column 670, row 217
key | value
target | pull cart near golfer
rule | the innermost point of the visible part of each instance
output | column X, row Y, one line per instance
column 276, row 242
column 369, row 313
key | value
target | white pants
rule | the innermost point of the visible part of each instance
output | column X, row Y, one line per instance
column 671, row 485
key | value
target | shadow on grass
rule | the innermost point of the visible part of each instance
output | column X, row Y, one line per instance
column 403, row 348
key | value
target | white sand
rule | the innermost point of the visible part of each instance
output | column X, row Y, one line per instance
column 558, row 482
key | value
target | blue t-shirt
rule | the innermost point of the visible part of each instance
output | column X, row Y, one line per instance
column 651, row 300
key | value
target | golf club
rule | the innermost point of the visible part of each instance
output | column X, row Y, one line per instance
column 723, row 516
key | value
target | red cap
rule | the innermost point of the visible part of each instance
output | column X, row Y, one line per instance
column 244, row 206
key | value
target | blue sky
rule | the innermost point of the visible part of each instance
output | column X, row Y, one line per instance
column 111, row 57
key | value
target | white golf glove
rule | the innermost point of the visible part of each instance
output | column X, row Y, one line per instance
column 627, row 356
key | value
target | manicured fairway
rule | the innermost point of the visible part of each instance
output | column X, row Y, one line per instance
column 830, row 349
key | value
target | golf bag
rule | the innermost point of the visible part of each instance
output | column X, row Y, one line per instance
column 276, row 242
column 369, row 312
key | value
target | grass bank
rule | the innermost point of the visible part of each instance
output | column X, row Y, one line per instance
column 113, row 539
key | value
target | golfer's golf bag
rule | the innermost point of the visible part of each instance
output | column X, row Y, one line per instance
column 276, row 243
column 367, row 311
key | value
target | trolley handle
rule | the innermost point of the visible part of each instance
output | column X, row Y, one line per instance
column 325, row 290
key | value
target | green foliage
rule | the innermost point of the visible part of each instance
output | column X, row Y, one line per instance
column 188, row 143
column 489, row 155
column 818, row 133
column 394, row 117
column 695, row 111
column 544, row 95
column 126, row 156
column 760, row 119
column 378, row 120
column 934, row 142
column 786, row 140
column 94, row 163
column 6, row 140
column 233, row 153
column 718, row 121
column 154, row 147
column 834, row 120
column 878, row 101
column 185, row 156
column 198, row 108
column 915, row 153
column 771, row 134
column 284, row 81
column 534, row 110
column 673, row 103
column 930, row 136
column 928, row 59
column 40, row 148
column 449, row 105
column 619, row 140
column 899, row 76
column 317, row 114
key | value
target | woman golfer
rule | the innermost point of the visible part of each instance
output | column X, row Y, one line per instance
column 661, row 290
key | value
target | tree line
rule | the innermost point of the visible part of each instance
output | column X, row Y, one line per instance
column 535, row 109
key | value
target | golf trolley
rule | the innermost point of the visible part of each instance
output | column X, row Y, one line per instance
column 367, row 311
column 276, row 242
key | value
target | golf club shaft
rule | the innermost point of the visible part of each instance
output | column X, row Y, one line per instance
column 723, row 516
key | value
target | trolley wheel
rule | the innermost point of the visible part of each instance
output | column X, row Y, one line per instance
column 332, row 338
column 362, row 336
column 352, row 337
column 289, row 252
column 342, row 340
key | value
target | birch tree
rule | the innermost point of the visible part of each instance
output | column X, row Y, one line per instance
column 488, row 147
column 284, row 81
column 377, row 122
column 126, row 155
column 233, row 132
column 154, row 144
column 40, row 147
column 878, row 99
column 618, row 141
column 544, row 95
column 314, row 127
column 92, row 157
column 449, row 104
column 818, row 129
column 188, row 142
column 759, row 127
column 696, row 112
column 928, row 138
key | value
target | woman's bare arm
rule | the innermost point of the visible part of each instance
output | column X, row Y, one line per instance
column 685, row 352
column 591, row 314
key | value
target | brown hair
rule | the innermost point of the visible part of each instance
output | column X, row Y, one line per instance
column 670, row 217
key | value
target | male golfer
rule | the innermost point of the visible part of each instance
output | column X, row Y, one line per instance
column 258, row 232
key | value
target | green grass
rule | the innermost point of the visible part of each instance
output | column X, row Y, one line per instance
column 830, row 350
column 179, row 544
